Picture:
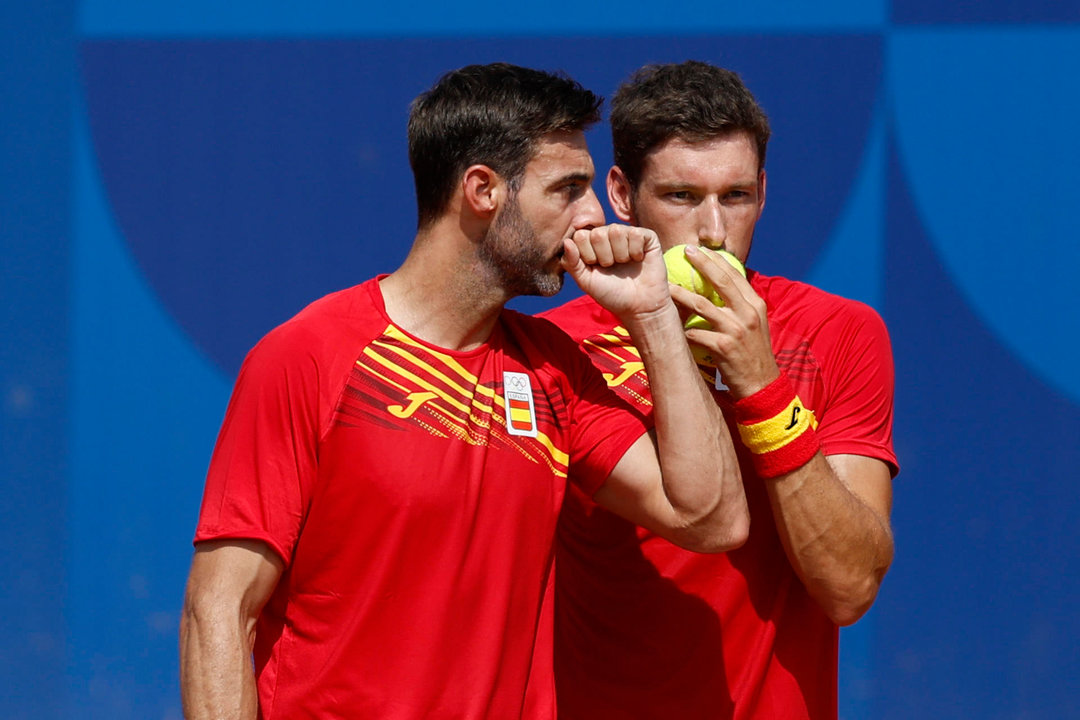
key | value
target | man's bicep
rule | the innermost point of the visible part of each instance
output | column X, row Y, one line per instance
column 237, row 573
column 869, row 479
column 634, row 489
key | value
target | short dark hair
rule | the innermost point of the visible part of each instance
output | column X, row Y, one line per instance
column 492, row 115
column 692, row 101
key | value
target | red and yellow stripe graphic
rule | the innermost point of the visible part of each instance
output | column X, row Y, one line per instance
column 398, row 382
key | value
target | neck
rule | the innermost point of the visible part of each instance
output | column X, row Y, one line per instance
column 441, row 292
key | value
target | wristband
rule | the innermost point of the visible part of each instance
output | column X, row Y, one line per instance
column 777, row 428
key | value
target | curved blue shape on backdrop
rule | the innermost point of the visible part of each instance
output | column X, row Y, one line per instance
column 981, row 599
column 250, row 177
column 225, row 184
column 975, row 131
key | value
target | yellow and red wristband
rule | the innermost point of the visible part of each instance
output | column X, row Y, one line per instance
column 777, row 428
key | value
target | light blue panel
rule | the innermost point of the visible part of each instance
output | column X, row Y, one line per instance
column 245, row 18
column 986, row 126
column 852, row 265
column 145, row 407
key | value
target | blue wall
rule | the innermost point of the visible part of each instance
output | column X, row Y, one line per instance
column 177, row 178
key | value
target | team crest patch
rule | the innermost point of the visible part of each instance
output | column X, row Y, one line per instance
column 520, row 412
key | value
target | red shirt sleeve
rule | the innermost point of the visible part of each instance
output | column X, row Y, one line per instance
column 603, row 425
column 860, row 380
column 265, row 461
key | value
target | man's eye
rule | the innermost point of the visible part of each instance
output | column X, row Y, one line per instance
column 679, row 195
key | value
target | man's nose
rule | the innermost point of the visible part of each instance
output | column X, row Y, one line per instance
column 590, row 213
column 712, row 231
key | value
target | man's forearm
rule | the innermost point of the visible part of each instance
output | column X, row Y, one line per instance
column 229, row 583
column 700, row 470
column 840, row 544
column 216, row 677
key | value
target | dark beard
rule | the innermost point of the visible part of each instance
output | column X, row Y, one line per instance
column 511, row 251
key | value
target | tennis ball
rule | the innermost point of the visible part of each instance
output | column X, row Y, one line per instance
column 682, row 273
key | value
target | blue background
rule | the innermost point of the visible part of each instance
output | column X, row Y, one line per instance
column 177, row 178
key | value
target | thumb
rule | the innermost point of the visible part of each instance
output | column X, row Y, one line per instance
column 571, row 259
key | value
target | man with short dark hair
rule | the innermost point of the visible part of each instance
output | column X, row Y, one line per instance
column 378, row 521
column 645, row 629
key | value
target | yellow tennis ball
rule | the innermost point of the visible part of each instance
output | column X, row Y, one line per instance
column 682, row 273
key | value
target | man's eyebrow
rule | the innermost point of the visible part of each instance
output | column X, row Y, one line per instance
column 581, row 176
column 672, row 185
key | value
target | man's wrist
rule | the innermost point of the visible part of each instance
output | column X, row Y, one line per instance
column 777, row 428
column 644, row 324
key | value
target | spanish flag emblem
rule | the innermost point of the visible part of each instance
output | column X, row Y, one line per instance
column 520, row 411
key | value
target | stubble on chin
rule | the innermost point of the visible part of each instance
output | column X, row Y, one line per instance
column 511, row 251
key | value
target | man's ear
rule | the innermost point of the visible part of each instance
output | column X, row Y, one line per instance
column 761, row 193
column 620, row 195
column 483, row 190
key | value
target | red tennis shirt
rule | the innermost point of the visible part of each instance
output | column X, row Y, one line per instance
column 412, row 493
column 646, row 630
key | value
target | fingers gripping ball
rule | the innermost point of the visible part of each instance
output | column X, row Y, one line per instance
column 682, row 273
